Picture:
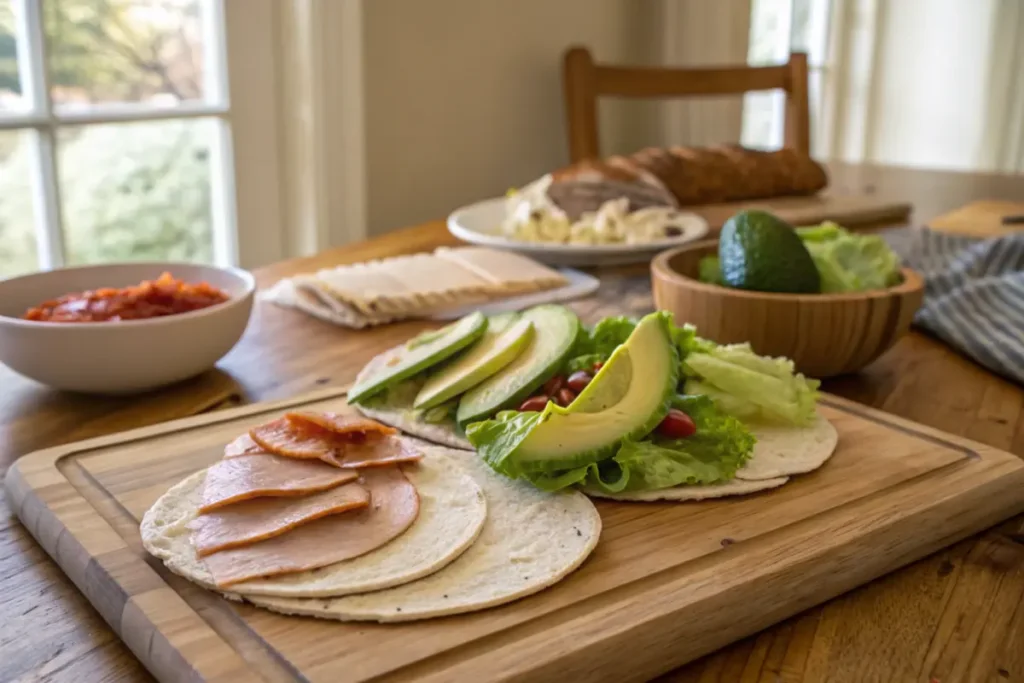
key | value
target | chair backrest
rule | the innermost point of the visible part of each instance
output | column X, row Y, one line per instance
column 584, row 81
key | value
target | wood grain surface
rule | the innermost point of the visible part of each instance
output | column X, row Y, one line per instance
column 955, row 616
column 851, row 211
column 668, row 582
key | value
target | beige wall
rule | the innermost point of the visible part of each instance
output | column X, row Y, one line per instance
column 463, row 97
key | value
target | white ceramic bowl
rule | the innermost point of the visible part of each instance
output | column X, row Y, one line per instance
column 480, row 223
column 120, row 357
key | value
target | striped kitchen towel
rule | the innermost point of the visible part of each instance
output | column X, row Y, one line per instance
column 974, row 293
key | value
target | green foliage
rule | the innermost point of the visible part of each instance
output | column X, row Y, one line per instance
column 129, row 191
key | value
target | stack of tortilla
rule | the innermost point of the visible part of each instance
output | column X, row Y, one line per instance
column 339, row 517
column 413, row 286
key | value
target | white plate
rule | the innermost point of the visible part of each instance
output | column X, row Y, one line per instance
column 480, row 223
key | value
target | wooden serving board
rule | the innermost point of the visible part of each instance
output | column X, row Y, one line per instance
column 666, row 584
column 850, row 211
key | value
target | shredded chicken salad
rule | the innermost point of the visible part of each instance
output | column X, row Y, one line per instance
column 531, row 216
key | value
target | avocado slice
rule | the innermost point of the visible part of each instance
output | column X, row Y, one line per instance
column 420, row 353
column 555, row 329
column 625, row 400
column 506, row 337
column 761, row 252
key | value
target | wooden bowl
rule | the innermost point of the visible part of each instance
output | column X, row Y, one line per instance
column 824, row 334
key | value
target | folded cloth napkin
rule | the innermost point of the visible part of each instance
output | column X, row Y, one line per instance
column 974, row 293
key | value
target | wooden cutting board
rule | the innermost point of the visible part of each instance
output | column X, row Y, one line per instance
column 849, row 211
column 980, row 219
column 666, row 584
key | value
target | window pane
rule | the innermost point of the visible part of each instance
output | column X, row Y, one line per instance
column 137, row 191
column 769, row 32
column 10, row 81
column 809, row 32
column 124, row 51
column 17, row 227
column 762, row 125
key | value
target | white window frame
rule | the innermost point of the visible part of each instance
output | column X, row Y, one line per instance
column 821, row 135
column 246, row 203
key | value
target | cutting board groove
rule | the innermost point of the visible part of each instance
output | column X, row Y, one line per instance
column 667, row 583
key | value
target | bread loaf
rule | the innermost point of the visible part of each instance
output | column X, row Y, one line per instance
column 686, row 176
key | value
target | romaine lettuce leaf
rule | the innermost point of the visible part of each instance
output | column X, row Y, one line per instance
column 720, row 446
column 738, row 407
column 849, row 262
column 772, row 384
column 596, row 344
column 586, row 363
column 495, row 439
column 709, row 270
column 687, row 341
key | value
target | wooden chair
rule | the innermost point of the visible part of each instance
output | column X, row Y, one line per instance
column 584, row 81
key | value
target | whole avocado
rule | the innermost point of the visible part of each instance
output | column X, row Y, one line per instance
column 761, row 252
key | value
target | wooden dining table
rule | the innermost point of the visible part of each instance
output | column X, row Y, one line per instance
column 957, row 615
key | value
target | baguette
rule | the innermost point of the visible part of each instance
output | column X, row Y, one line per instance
column 685, row 176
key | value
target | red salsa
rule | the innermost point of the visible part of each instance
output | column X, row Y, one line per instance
column 148, row 299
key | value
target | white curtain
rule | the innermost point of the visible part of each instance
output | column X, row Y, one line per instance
column 927, row 83
column 704, row 33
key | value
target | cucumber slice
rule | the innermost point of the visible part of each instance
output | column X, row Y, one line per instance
column 555, row 329
column 420, row 353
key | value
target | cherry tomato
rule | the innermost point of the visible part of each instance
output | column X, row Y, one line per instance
column 598, row 365
column 552, row 386
column 676, row 425
column 534, row 404
column 578, row 381
column 564, row 397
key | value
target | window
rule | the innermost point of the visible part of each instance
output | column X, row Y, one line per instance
column 116, row 130
column 778, row 27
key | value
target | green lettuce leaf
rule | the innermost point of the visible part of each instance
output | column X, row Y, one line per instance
column 586, row 363
column 719, row 447
column 596, row 344
column 495, row 439
column 780, row 393
column 738, row 407
column 849, row 262
column 686, row 340
column 610, row 333
column 709, row 270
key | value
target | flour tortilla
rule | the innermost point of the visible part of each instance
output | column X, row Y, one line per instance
column 734, row 487
column 394, row 408
column 782, row 451
column 452, row 514
column 407, row 420
column 530, row 541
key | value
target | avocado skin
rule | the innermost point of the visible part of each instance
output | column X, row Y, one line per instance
column 759, row 251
